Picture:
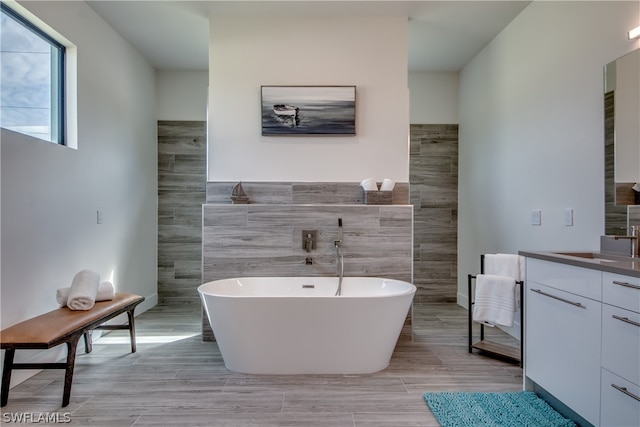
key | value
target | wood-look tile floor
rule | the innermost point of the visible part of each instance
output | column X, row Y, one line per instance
column 176, row 379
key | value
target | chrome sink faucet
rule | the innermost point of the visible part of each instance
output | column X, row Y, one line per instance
column 635, row 245
column 634, row 236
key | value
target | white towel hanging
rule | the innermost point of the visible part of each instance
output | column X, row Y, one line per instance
column 511, row 265
column 495, row 300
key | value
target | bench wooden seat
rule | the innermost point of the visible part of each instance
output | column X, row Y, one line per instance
column 63, row 326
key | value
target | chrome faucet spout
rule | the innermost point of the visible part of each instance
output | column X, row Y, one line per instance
column 634, row 236
column 635, row 233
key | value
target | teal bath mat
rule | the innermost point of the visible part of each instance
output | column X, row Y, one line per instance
column 513, row 409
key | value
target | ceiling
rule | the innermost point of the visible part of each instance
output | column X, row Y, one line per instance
column 443, row 35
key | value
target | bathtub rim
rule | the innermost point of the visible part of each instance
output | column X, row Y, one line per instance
column 411, row 288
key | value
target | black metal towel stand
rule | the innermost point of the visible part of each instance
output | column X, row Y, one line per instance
column 507, row 352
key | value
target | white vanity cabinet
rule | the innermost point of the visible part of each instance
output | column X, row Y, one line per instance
column 582, row 336
column 620, row 351
column 563, row 315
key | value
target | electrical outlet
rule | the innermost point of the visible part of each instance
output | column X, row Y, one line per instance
column 568, row 217
column 536, row 217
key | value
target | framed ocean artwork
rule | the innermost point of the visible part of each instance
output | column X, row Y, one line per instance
column 308, row 110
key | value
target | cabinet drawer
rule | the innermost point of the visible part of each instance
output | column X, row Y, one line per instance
column 577, row 280
column 620, row 402
column 622, row 291
column 562, row 347
column 621, row 342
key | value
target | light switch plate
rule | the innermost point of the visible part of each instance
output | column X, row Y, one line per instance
column 536, row 217
column 568, row 217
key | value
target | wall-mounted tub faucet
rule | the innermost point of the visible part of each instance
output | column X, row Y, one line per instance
column 339, row 257
column 309, row 238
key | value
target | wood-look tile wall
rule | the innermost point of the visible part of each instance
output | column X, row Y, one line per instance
column 266, row 240
column 633, row 213
column 182, row 174
column 615, row 216
column 300, row 193
column 434, row 195
column 181, row 193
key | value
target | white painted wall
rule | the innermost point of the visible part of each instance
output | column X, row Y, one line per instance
column 50, row 193
column 182, row 94
column 434, row 97
column 370, row 53
column 531, row 130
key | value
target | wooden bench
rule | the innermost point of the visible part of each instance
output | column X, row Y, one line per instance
column 63, row 326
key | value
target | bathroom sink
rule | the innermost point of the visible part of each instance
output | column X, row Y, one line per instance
column 595, row 256
column 588, row 255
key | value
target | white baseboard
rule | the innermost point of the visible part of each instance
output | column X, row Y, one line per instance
column 149, row 302
column 463, row 300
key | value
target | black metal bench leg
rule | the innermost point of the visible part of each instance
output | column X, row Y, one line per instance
column 132, row 329
column 72, row 344
column 470, row 314
column 6, row 375
column 88, row 342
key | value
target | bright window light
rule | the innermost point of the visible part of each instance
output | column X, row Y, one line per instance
column 31, row 79
column 141, row 339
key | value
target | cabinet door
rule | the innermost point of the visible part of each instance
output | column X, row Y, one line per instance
column 621, row 342
column 620, row 401
column 562, row 351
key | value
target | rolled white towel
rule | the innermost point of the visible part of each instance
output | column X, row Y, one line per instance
column 369, row 184
column 387, row 185
column 84, row 289
column 106, row 292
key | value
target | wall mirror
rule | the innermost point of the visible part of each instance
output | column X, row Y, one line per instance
column 622, row 120
column 622, row 150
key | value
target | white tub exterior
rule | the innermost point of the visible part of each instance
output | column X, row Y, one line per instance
column 295, row 325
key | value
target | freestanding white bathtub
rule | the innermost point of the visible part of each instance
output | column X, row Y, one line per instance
column 295, row 325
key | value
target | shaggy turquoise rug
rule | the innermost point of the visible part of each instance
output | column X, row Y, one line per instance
column 513, row 409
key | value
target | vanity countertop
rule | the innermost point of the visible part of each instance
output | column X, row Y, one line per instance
column 593, row 260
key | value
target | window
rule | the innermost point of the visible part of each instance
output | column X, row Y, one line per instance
column 31, row 80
